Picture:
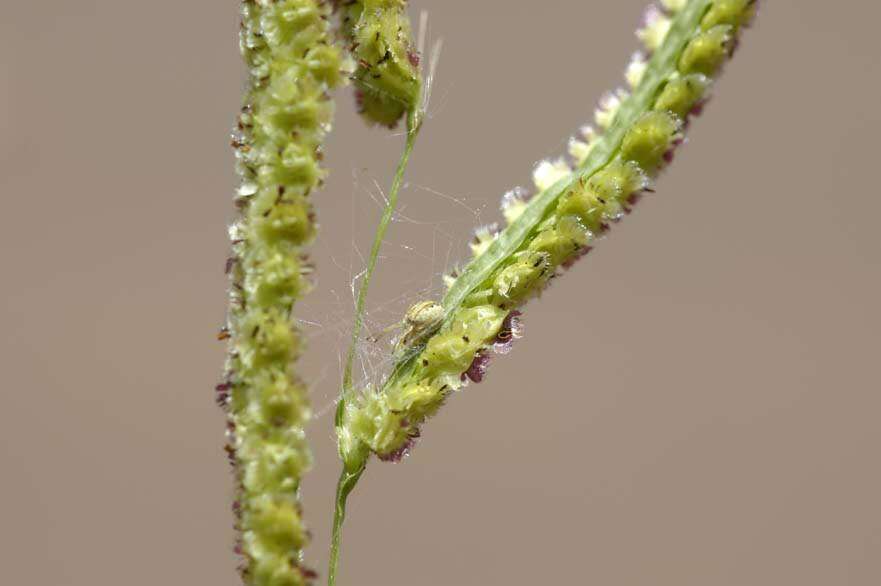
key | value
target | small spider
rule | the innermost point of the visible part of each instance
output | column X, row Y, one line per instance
column 420, row 321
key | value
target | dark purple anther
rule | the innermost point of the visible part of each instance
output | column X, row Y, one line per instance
column 309, row 573
column 698, row 108
column 512, row 329
column 222, row 393
column 230, row 454
column 404, row 450
column 567, row 264
column 478, row 367
column 668, row 156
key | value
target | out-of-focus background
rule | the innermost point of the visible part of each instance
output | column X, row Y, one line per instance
column 695, row 403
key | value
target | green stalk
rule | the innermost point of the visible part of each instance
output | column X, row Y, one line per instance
column 352, row 472
column 413, row 126
column 345, row 486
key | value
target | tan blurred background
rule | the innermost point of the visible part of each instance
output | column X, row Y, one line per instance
column 695, row 404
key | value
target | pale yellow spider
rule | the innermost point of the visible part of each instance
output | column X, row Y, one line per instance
column 421, row 319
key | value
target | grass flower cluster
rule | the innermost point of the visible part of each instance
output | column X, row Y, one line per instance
column 292, row 64
column 387, row 79
column 294, row 60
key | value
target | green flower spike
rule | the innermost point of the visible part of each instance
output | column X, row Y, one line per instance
column 387, row 79
column 292, row 65
column 685, row 44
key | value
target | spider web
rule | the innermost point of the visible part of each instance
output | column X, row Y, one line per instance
column 415, row 255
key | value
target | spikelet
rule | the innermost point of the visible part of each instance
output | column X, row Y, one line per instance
column 608, row 108
column 674, row 6
column 580, row 147
column 734, row 13
column 547, row 173
column 654, row 29
column 449, row 277
column 292, row 65
column 683, row 93
column 558, row 225
column 483, row 237
column 707, row 51
column 636, row 69
column 513, row 204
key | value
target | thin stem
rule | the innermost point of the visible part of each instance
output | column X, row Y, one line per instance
column 350, row 475
column 346, row 484
column 413, row 126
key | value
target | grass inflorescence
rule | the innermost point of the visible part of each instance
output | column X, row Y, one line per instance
column 685, row 44
column 292, row 65
column 387, row 79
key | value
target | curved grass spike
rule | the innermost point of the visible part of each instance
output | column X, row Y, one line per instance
column 387, row 79
column 687, row 41
column 292, row 64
